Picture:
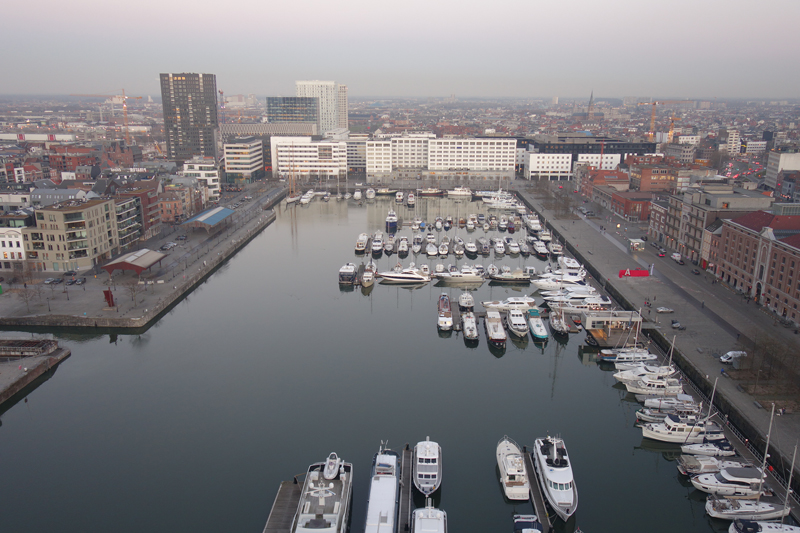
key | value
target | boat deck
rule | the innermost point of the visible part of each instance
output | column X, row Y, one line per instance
column 406, row 490
column 536, row 492
column 284, row 507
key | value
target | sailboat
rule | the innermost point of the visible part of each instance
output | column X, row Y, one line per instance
column 735, row 508
column 294, row 194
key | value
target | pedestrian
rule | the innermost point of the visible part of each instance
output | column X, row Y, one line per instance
column 703, row 305
column 737, row 336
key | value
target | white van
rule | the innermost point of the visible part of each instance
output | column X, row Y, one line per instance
column 676, row 256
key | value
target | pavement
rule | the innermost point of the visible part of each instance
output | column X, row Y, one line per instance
column 715, row 316
column 173, row 277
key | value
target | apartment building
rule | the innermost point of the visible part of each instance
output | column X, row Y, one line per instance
column 206, row 171
column 305, row 158
column 244, row 160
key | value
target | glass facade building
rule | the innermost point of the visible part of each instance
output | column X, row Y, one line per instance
column 292, row 109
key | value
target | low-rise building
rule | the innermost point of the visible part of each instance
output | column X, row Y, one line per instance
column 206, row 171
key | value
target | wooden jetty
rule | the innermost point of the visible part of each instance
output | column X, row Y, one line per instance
column 284, row 507
column 537, row 498
column 406, row 490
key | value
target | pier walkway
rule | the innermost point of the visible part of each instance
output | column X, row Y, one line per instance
column 406, row 490
column 284, row 507
column 536, row 492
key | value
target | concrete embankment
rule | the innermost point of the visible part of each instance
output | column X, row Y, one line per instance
column 17, row 374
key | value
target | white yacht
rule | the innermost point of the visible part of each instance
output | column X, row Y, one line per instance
column 402, row 246
column 692, row 465
column 431, row 250
column 361, row 243
column 499, row 247
column 404, row 275
column 416, row 243
column 384, row 493
column 469, row 325
column 460, row 192
column 749, row 526
column 370, row 193
column 368, row 277
column 391, row 221
column 411, row 200
column 515, row 320
column 347, row 274
column 466, row 302
column 470, row 247
column 494, row 328
column 512, row 470
column 735, row 508
column 534, row 224
column 444, row 246
column 554, row 469
column 445, row 319
column 398, row 197
column 523, row 303
column 527, row 523
column 324, row 505
column 720, row 447
column 377, row 243
column 664, row 402
column 644, row 371
column 555, row 249
column 673, row 429
column 545, row 235
column 429, row 520
column 658, row 415
column 663, row 386
column 357, row 194
column 540, row 249
column 538, row 330
column 427, row 466
column 736, row 482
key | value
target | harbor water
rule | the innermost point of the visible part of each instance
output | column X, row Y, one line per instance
column 270, row 365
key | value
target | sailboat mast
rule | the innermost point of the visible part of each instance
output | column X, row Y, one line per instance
column 789, row 484
column 766, row 455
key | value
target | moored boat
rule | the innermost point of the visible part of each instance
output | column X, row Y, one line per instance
column 683, row 432
column 384, row 493
column 370, row 193
column 361, row 243
column 538, row 331
column 347, row 274
column 515, row 320
column 527, row 523
column 445, row 318
column 512, row 470
column 325, row 500
column 469, row 325
column 554, row 469
column 429, row 520
column 427, row 466
column 494, row 328
column 523, row 303
column 735, row 482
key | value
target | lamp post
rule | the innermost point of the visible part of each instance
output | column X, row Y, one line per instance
column 758, row 375
column 48, row 305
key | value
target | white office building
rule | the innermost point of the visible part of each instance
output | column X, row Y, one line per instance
column 689, row 139
column 244, row 159
column 332, row 98
column 778, row 161
column 553, row 167
column 472, row 154
column 305, row 158
column 206, row 171
column 734, row 144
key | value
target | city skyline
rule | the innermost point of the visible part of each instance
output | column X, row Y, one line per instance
column 517, row 49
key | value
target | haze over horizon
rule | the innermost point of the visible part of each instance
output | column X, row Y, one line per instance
column 513, row 48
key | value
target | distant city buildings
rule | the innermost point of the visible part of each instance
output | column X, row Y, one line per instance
column 190, row 115
column 292, row 109
column 332, row 102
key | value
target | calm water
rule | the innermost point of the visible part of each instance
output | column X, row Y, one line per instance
column 269, row 367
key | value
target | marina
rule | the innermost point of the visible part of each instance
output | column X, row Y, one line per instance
column 634, row 483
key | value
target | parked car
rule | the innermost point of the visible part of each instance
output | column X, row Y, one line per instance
column 730, row 356
column 72, row 281
column 662, row 254
column 677, row 325
column 695, row 272
column 664, row 310
column 49, row 281
column 181, row 237
column 69, row 274
column 80, row 281
column 56, row 281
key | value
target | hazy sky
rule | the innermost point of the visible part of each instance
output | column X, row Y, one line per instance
column 691, row 48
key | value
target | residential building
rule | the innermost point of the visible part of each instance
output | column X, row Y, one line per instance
column 332, row 102
column 357, row 152
column 206, row 171
column 293, row 109
column 72, row 235
column 45, row 197
column 244, row 160
column 734, row 143
column 190, row 115
column 778, row 161
column 680, row 152
column 147, row 192
column 171, row 207
column 12, row 239
column 129, row 221
column 750, row 147
column 305, row 158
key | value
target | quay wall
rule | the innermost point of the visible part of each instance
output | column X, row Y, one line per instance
column 154, row 312
column 32, row 374
column 728, row 411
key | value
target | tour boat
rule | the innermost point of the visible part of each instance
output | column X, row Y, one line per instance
column 554, row 469
column 515, row 320
column 427, row 466
column 325, row 499
column 347, row 274
column 735, row 482
column 512, row 470
column 445, row 319
column 538, row 331
column 494, row 328
column 361, row 243
column 429, row 520
column 383, row 499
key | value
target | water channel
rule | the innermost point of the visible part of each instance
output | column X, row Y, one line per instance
column 269, row 366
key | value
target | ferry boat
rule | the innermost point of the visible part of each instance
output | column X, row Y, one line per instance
column 361, row 243
column 347, row 274
column 445, row 320
column 325, row 500
column 427, row 466
column 512, row 470
column 429, row 520
column 554, row 469
column 494, row 328
column 383, row 500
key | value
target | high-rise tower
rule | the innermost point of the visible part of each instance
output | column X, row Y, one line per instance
column 332, row 99
column 190, row 114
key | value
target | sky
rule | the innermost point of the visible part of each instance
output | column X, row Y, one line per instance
column 414, row 48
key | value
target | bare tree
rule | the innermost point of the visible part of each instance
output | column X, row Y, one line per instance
column 133, row 289
column 26, row 294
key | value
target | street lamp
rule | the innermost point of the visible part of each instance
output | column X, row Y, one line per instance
column 758, row 375
column 48, row 305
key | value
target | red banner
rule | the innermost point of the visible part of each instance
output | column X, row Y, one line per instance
column 636, row 273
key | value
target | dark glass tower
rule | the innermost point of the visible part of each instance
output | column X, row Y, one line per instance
column 292, row 109
column 190, row 114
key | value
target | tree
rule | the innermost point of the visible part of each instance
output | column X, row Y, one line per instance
column 133, row 289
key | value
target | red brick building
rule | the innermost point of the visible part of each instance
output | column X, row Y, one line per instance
column 633, row 206
column 171, row 207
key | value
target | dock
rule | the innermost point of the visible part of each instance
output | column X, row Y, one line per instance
column 536, row 492
column 284, row 507
column 406, row 490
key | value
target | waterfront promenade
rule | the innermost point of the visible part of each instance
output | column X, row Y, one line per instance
column 139, row 301
column 715, row 316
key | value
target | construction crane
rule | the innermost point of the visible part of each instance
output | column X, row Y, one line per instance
column 118, row 99
column 651, row 133
column 672, row 127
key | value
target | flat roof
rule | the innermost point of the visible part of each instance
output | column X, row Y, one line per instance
column 212, row 217
column 137, row 261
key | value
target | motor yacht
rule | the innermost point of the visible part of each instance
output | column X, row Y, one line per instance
column 555, row 249
column 655, row 386
column 429, row 520
column 471, row 248
column 645, row 414
column 545, row 236
column 540, row 249
column 402, row 246
column 460, row 192
column 523, row 303
column 632, row 354
column 404, row 275
column 383, row 499
column 438, row 223
column 431, row 191
column 357, row 194
column 325, row 500
column 538, row 331
column 736, row 482
column 398, row 197
column 448, row 223
column 683, row 432
column 483, row 246
column 469, row 325
column 499, row 247
column 554, row 469
column 377, row 243
column 713, row 445
column 444, row 246
column 431, row 250
column 692, row 465
column 494, row 328
column 502, row 223
column 427, row 466
column 361, row 243
column 512, row 246
column 347, row 274
column 517, row 325
column 527, row 523
column 466, row 276
column 391, row 221
column 644, row 371
column 739, row 509
column 416, row 243
column 370, row 194
column 411, row 200
column 384, row 191
column 512, row 470
column 445, row 319
column 506, row 275
column 368, row 276
column 752, row 526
